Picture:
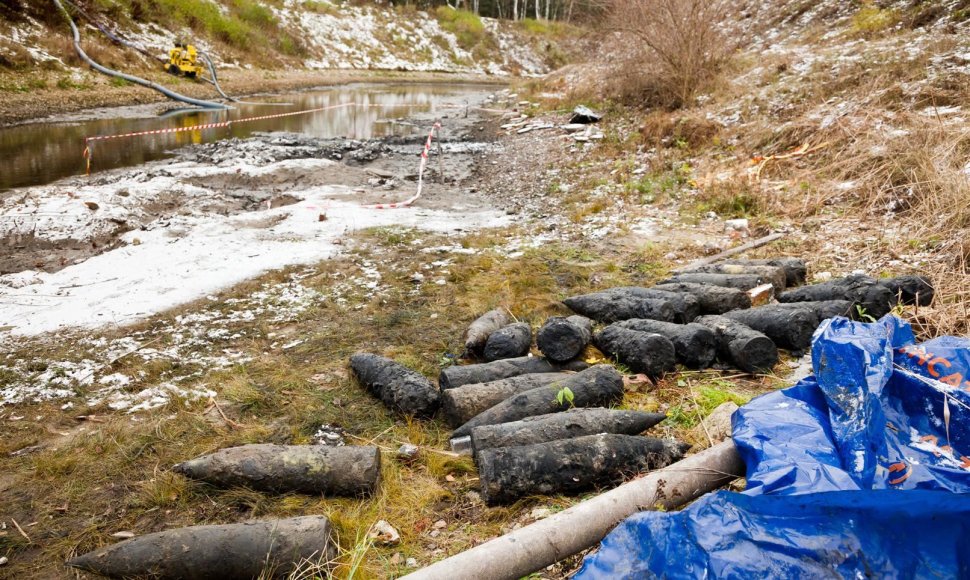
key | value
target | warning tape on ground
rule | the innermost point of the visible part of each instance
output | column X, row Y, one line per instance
column 424, row 163
column 87, row 153
column 89, row 140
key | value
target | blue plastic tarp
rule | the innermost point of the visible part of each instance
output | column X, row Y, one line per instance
column 848, row 534
column 826, row 460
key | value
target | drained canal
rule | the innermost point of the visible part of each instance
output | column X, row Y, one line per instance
column 40, row 153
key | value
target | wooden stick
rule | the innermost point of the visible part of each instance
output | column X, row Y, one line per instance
column 422, row 447
column 730, row 252
column 224, row 418
column 21, row 530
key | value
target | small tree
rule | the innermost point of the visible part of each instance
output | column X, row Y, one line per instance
column 678, row 47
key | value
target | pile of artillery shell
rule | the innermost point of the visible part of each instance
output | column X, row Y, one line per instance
column 478, row 332
column 746, row 349
column 462, row 403
column 876, row 298
column 621, row 304
column 712, row 299
column 789, row 328
column 642, row 352
column 598, row 386
column 457, row 376
column 573, row 423
column 694, row 344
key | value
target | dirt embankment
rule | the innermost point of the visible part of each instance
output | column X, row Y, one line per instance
column 37, row 104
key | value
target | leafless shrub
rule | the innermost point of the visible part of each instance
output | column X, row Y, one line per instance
column 671, row 50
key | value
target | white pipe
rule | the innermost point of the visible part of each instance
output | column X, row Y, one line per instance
column 569, row 532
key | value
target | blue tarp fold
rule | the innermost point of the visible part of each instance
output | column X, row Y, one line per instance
column 826, row 461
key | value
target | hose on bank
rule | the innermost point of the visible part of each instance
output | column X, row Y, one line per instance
column 214, row 81
column 111, row 35
column 130, row 78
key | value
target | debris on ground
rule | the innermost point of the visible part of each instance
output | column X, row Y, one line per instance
column 583, row 115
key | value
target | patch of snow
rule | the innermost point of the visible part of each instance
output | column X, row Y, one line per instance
column 188, row 256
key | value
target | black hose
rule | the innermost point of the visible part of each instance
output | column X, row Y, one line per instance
column 130, row 78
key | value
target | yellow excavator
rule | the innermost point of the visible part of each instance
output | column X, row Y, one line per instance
column 182, row 61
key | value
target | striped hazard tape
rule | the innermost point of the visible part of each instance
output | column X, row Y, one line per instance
column 88, row 154
column 424, row 163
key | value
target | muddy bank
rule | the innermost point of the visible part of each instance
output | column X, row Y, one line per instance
column 40, row 105
column 230, row 209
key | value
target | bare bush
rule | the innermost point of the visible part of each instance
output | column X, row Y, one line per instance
column 673, row 49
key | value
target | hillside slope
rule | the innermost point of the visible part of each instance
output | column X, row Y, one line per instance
column 257, row 46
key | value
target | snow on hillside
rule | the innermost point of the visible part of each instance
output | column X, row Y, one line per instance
column 335, row 37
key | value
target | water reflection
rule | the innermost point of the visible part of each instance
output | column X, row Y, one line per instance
column 40, row 153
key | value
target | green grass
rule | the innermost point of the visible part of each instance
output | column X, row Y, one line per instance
column 283, row 396
column 702, row 401
column 321, row 7
column 542, row 27
column 871, row 19
column 466, row 26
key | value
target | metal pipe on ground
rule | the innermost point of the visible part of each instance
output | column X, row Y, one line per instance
column 569, row 532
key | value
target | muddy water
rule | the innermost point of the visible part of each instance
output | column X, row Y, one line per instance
column 39, row 153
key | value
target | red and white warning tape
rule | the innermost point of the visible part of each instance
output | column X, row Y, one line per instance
column 87, row 153
column 424, row 163
column 89, row 140
column 424, row 153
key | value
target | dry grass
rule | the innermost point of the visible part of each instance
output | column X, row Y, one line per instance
column 113, row 474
